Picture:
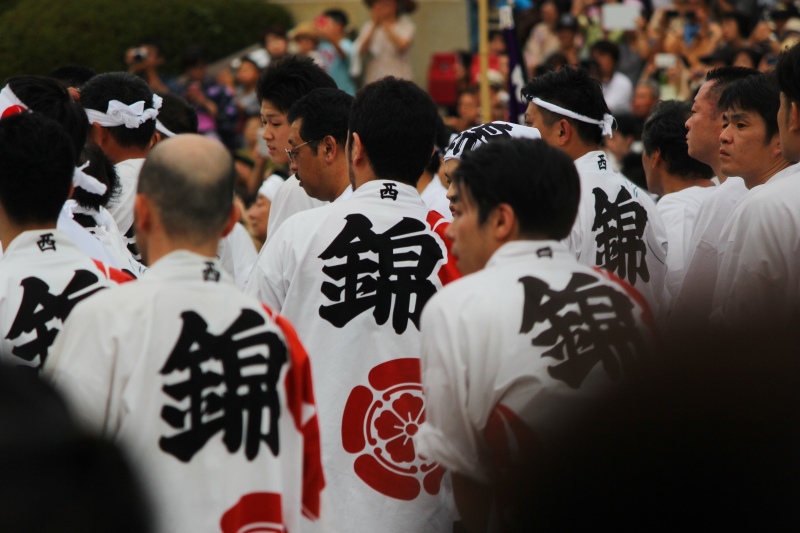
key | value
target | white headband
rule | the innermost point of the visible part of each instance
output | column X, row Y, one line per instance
column 270, row 187
column 118, row 114
column 477, row 136
column 9, row 103
column 163, row 129
column 606, row 124
column 86, row 182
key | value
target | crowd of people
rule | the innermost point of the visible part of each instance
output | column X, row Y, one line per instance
column 423, row 327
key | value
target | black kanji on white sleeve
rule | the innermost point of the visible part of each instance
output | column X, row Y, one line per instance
column 466, row 140
column 585, row 323
column 229, row 383
column 39, row 308
column 388, row 272
column 620, row 245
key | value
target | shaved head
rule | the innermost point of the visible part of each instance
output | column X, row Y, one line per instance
column 189, row 179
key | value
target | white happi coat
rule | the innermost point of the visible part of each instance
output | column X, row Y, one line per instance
column 692, row 304
column 42, row 276
column 237, row 253
column 509, row 353
column 435, row 197
column 759, row 257
column 352, row 277
column 291, row 198
column 210, row 395
column 678, row 212
column 618, row 228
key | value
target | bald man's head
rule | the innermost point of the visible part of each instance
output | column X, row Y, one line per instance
column 189, row 180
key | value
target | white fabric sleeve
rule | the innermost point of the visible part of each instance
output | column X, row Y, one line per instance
column 448, row 434
column 267, row 281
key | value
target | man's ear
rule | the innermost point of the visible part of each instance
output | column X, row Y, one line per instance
column 656, row 158
column 504, row 223
column 357, row 149
column 794, row 116
column 142, row 214
column 155, row 139
column 98, row 135
column 565, row 132
column 330, row 148
column 233, row 218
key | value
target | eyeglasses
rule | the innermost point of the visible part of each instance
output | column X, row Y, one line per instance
column 292, row 154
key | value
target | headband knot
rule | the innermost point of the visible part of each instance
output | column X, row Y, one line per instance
column 86, row 182
column 131, row 116
column 606, row 125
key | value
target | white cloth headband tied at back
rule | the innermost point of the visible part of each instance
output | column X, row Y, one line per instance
column 163, row 129
column 606, row 124
column 9, row 103
column 86, row 182
column 119, row 114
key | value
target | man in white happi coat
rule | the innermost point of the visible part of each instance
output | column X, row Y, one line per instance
column 529, row 337
column 122, row 111
column 681, row 181
column 39, row 94
column 618, row 226
column 759, row 255
column 279, row 86
column 42, row 273
column 353, row 277
column 208, row 390
column 692, row 305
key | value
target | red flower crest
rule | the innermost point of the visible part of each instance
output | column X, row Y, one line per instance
column 379, row 423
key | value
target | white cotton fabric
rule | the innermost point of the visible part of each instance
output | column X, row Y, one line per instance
column 105, row 230
column 759, row 256
column 237, row 254
column 271, row 186
column 382, row 58
column 679, row 212
column 474, row 356
column 290, row 199
column 23, row 258
column 692, row 305
column 582, row 239
column 87, row 243
column 129, row 115
column 618, row 93
column 9, row 99
column 86, row 182
column 435, row 197
column 109, row 361
column 288, row 277
column 121, row 208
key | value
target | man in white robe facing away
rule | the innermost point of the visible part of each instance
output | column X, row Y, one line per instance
column 758, row 257
column 353, row 277
column 208, row 390
column 513, row 351
column 681, row 181
column 42, row 273
column 618, row 226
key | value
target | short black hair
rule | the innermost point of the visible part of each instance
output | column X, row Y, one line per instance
column 285, row 81
column 607, row 48
column 628, row 125
column 787, row 73
column 176, row 114
column 742, row 20
column 538, row 181
column 274, row 29
column 665, row 131
column 575, row 90
column 36, row 165
column 755, row 93
column 50, row 98
column 192, row 207
column 73, row 75
column 128, row 89
column 337, row 15
column 324, row 112
column 724, row 76
column 396, row 122
column 101, row 168
column 441, row 141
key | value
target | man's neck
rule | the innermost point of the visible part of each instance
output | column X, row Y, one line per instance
column 762, row 177
column 578, row 149
column 158, row 247
column 424, row 181
column 673, row 183
column 9, row 231
column 118, row 154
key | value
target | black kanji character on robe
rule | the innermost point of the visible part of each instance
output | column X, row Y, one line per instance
column 620, row 245
column 466, row 140
column 586, row 323
column 389, row 191
column 46, row 242
column 602, row 164
column 39, row 307
column 130, row 240
column 388, row 272
column 545, row 252
column 210, row 273
column 229, row 379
